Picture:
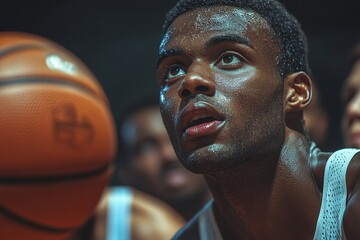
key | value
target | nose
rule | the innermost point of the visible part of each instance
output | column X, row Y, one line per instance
column 168, row 152
column 197, row 81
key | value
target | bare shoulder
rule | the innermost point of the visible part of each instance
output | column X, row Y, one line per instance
column 154, row 212
column 150, row 218
column 318, row 162
column 352, row 212
column 352, row 175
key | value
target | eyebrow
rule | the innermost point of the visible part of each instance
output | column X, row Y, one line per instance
column 168, row 53
column 227, row 37
column 210, row 43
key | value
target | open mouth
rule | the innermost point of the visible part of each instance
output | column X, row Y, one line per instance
column 200, row 119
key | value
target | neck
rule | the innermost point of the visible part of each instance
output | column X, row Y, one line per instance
column 260, row 196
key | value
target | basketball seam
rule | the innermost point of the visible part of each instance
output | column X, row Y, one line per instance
column 27, row 222
column 54, row 81
column 14, row 49
column 52, row 179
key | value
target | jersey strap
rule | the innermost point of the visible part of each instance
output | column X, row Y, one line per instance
column 119, row 214
column 333, row 205
column 208, row 227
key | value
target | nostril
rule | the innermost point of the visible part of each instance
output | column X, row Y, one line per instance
column 198, row 89
column 201, row 88
column 185, row 93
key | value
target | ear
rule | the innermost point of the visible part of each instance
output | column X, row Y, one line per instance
column 297, row 87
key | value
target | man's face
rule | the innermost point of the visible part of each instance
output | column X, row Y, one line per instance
column 154, row 166
column 220, row 91
column 351, row 116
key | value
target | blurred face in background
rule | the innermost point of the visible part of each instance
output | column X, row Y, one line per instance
column 351, row 99
column 316, row 119
column 153, row 166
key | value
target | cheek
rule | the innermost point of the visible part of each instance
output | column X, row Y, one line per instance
column 168, row 104
column 351, row 112
column 165, row 100
column 344, row 124
column 147, row 165
column 246, row 86
column 236, row 79
column 237, row 95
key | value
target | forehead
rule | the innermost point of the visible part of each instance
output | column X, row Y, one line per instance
column 195, row 24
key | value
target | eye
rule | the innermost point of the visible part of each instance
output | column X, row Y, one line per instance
column 145, row 146
column 348, row 99
column 348, row 95
column 229, row 60
column 174, row 72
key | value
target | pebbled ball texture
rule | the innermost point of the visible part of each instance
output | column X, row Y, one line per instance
column 57, row 139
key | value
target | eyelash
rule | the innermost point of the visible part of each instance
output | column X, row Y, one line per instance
column 172, row 67
column 180, row 68
column 232, row 54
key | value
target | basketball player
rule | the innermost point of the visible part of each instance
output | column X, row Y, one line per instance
column 149, row 164
column 351, row 100
column 234, row 81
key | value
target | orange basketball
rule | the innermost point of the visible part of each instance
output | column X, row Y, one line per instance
column 57, row 139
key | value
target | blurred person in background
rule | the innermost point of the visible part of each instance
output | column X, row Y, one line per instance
column 157, row 194
column 351, row 101
column 147, row 160
column 316, row 118
column 125, row 213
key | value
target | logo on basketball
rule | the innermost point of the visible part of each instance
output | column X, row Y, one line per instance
column 70, row 128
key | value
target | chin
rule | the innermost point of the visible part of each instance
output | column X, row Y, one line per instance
column 208, row 159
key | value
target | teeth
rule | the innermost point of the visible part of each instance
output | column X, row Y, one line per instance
column 199, row 119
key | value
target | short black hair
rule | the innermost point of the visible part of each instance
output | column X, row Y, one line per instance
column 286, row 29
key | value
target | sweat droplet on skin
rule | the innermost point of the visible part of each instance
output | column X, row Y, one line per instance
column 214, row 148
column 204, row 23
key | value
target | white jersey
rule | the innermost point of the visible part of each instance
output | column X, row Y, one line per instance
column 333, row 205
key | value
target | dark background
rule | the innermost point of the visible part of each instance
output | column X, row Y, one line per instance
column 118, row 40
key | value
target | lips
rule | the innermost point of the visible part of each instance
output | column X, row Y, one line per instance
column 200, row 119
